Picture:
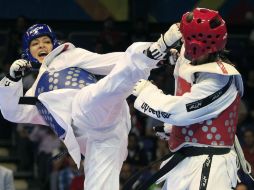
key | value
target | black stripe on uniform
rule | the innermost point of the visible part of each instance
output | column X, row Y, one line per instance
column 209, row 99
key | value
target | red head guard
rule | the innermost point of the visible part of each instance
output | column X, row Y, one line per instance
column 204, row 31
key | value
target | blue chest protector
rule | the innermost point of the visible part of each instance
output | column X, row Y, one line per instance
column 72, row 78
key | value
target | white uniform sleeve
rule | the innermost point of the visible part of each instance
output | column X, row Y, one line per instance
column 10, row 92
column 172, row 109
column 103, row 101
column 99, row 64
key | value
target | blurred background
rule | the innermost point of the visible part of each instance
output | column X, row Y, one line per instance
column 104, row 26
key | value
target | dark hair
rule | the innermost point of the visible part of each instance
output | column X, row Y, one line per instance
column 216, row 56
column 249, row 130
column 223, row 56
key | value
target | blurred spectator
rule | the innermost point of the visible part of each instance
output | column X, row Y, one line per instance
column 137, row 122
column 57, row 165
column 2, row 74
column 67, row 174
column 6, row 179
column 15, row 40
column 77, row 182
column 110, row 39
column 6, row 128
column 47, row 144
column 241, row 186
column 242, row 113
column 245, row 179
column 243, row 122
column 250, row 20
column 251, row 37
column 149, row 144
column 248, row 150
column 249, row 91
column 155, row 186
column 136, row 154
column 126, row 172
column 248, row 147
column 139, row 32
column 25, row 148
column 4, row 69
column 162, row 148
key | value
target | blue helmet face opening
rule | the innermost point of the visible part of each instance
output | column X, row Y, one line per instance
column 32, row 33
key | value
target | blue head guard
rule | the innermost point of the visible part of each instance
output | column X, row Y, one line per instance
column 33, row 32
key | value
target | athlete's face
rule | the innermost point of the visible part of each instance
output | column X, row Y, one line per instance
column 40, row 47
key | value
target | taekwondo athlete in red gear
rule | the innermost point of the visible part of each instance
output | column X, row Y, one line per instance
column 91, row 118
column 203, row 113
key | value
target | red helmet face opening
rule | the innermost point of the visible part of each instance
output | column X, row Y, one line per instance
column 204, row 32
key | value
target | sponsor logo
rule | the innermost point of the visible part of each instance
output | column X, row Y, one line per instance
column 35, row 30
column 7, row 83
column 158, row 114
column 195, row 105
column 216, row 95
column 208, row 161
column 204, row 181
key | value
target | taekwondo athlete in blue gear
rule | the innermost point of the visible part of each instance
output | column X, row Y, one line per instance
column 75, row 78
column 92, row 120
column 33, row 32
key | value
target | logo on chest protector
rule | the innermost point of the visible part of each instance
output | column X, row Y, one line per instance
column 195, row 106
column 69, row 78
column 209, row 99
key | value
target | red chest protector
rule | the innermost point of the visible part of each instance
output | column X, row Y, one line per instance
column 215, row 132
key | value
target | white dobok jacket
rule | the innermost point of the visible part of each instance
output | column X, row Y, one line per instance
column 185, row 108
column 98, row 106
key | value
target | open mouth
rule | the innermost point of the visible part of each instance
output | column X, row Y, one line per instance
column 42, row 54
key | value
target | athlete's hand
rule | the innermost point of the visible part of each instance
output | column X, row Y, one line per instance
column 174, row 54
column 19, row 68
column 172, row 35
column 170, row 38
column 163, row 132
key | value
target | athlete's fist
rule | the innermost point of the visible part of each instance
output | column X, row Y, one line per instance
column 19, row 68
column 172, row 35
column 174, row 54
column 170, row 38
column 163, row 132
